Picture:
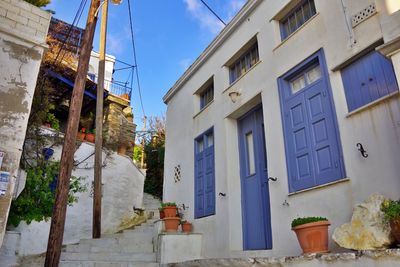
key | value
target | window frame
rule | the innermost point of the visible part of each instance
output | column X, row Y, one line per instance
column 249, row 58
column 285, row 33
column 206, row 95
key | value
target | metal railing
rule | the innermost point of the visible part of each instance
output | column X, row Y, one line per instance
column 117, row 88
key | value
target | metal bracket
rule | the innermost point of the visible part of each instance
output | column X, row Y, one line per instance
column 222, row 194
column 362, row 150
column 273, row 179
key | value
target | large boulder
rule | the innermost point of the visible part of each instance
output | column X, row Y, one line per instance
column 367, row 228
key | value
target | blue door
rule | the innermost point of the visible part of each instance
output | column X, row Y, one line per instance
column 256, row 216
column 204, row 175
column 313, row 152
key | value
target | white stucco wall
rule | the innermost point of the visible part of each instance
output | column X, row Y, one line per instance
column 23, row 29
column 94, row 67
column 376, row 127
column 122, row 190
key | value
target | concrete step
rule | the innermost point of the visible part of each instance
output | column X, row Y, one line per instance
column 126, row 247
column 141, row 228
column 106, row 264
column 125, row 237
column 108, row 257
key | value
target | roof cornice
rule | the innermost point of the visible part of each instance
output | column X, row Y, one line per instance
column 212, row 47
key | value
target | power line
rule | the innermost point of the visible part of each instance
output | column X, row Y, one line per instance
column 75, row 21
column 212, row 11
column 134, row 56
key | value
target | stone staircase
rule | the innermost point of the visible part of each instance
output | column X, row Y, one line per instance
column 130, row 248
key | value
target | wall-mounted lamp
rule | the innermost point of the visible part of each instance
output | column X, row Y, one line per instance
column 234, row 96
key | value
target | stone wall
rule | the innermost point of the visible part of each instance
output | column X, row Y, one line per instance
column 23, row 29
column 382, row 258
column 118, row 126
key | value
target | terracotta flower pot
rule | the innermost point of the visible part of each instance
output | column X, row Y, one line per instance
column 122, row 149
column 395, row 229
column 171, row 224
column 313, row 237
column 90, row 137
column 187, row 227
column 170, row 211
column 80, row 136
column 162, row 214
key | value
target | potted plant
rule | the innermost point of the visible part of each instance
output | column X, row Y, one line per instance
column 186, row 226
column 391, row 209
column 171, row 224
column 90, row 136
column 81, row 134
column 161, row 210
column 170, row 210
column 312, row 234
column 52, row 121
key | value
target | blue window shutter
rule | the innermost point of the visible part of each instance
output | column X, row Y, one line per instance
column 368, row 79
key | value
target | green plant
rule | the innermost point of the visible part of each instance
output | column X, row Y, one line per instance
column 391, row 209
column 54, row 122
column 36, row 201
column 39, row 3
column 154, row 151
column 168, row 204
column 304, row 220
column 183, row 222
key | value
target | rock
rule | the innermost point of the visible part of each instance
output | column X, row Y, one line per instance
column 367, row 228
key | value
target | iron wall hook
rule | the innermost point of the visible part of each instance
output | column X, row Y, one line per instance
column 362, row 150
column 222, row 194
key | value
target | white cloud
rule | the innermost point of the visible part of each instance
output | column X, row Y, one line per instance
column 234, row 7
column 206, row 19
column 115, row 44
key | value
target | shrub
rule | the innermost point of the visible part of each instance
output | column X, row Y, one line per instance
column 391, row 209
column 304, row 220
column 36, row 201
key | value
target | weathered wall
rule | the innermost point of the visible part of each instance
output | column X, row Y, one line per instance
column 122, row 190
column 23, row 29
column 376, row 127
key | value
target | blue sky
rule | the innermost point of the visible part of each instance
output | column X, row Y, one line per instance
column 169, row 36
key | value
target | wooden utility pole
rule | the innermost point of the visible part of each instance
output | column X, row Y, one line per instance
column 67, row 156
column 96, row 230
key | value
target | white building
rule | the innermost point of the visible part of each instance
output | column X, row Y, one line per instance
column 94, row 68
column 288, row 91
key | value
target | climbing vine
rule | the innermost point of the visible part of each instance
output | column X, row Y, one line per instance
column 36, row 201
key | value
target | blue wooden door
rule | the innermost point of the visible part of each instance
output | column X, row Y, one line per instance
column 312, row 145
column 204, row 175
column 256, row 216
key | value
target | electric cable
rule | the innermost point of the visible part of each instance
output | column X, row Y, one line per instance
column 76, row 18
column 135, row 59
column 212, row 11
